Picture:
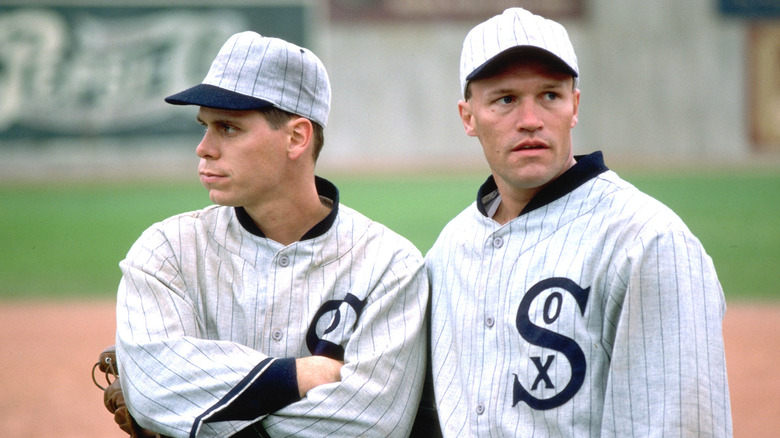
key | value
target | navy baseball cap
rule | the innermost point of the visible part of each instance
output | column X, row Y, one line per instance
column 252, row 72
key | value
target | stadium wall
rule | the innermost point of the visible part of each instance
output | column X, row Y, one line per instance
column 662, row 81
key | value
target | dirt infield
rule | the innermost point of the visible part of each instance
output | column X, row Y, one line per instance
column 48, row 350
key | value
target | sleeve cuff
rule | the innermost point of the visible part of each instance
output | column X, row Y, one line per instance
column 270, row 386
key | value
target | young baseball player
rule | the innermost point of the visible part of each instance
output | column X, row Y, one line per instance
column 278, row 311
column 565, row 302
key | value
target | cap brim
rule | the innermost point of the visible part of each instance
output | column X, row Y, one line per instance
column 215, row 97
column 490, row 66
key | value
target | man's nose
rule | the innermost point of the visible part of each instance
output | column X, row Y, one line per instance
column 528, row 118
column 207, row 148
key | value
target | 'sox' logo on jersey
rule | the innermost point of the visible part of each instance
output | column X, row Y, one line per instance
column 545, row 338
column 332, row 309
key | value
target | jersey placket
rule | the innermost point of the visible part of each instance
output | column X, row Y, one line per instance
column 283, row 297
column 485, row 321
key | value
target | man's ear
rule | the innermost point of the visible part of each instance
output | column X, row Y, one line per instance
column 464, row 108
column 301, row 133
column 576, row 103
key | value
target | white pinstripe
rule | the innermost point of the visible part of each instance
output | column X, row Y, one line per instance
column 500, row 33
column 650, row 330
column 257, row 66
column 202, row 302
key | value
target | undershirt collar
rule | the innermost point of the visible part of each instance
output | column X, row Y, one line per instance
column 329, row 195
column 587, row 167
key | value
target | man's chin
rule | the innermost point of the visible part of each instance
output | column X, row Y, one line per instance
column 221, row 198
column 532, row 178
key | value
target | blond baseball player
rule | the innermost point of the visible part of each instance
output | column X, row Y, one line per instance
column 277, row 312
column 565, row 302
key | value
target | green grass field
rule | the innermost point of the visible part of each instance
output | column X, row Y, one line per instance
column 66, row 240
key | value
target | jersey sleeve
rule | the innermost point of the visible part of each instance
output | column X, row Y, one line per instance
column 176, row 381
column 667, row 374
column 384, row 366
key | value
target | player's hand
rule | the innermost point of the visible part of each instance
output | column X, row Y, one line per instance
column 114, row 399
column 314, row 371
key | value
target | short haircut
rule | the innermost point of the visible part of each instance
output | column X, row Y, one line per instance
column 278, row 117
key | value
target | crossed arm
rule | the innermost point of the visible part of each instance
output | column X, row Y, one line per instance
column 312, row 371
column 182, row 378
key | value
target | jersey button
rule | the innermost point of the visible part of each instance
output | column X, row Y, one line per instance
column 498, row 242
column 277, row 335
column 284, row 261
column 489, row 321
column 480, row 409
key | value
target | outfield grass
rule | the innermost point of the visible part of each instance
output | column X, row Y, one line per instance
column 736, row 215
column 67, row 239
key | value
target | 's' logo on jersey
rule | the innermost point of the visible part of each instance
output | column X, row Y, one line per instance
column 550, row 340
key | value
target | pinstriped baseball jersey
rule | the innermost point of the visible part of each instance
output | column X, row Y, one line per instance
column 594, row 313
column 211, row 315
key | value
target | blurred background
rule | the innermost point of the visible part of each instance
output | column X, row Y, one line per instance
column 683, row 98
column 663, row 82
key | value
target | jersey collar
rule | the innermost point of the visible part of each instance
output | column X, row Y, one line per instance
column 325, row 189
column 586, row 168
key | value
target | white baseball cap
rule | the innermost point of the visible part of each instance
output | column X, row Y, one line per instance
column 514, row 31
column 252, row 72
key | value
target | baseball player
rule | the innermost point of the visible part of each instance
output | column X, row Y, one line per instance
column 565, row 302
column 278, row 311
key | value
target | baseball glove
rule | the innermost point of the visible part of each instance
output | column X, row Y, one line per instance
column 113, row 397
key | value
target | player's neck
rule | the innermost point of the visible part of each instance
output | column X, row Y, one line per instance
column 288, row 218
column 505, row 213
column 512, row 204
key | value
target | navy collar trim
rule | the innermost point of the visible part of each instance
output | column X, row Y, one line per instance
column 587, row 168
column 325, row 189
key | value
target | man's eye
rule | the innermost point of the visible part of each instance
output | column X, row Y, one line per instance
column 227, row 129
column 506, row 100
column 550, row 95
